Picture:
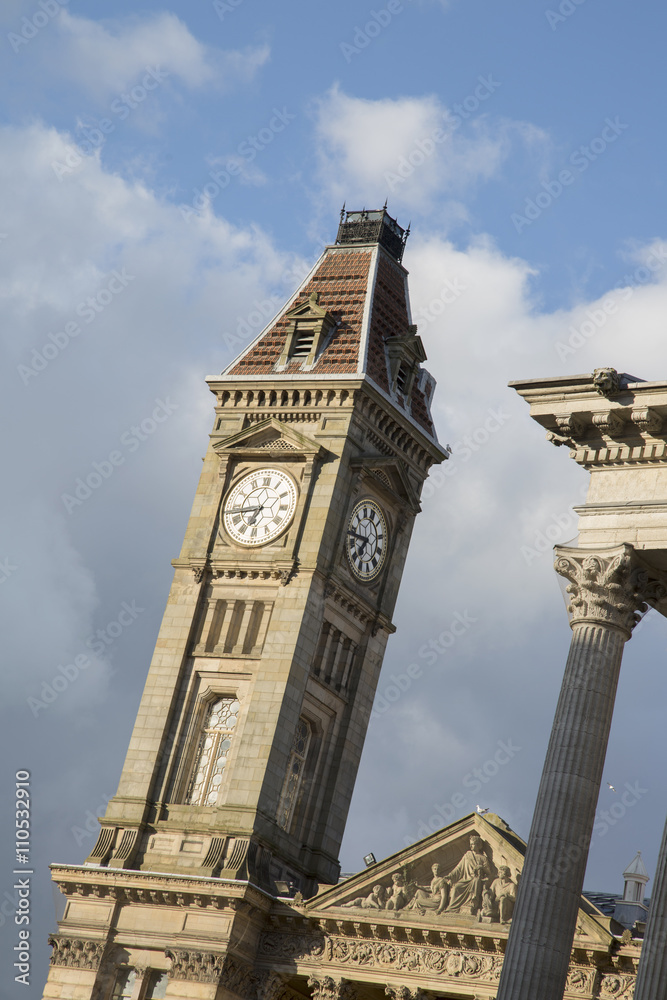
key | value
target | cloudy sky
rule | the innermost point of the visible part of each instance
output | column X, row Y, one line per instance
column 167, row 174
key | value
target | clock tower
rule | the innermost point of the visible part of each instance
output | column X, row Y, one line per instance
column 242, row 763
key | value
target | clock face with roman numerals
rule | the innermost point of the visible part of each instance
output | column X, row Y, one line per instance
column 366, row 540
column 260, row 507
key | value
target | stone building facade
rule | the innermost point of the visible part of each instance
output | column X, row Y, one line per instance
column 215, row 875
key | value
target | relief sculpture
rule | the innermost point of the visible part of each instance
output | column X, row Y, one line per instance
column 473, row 887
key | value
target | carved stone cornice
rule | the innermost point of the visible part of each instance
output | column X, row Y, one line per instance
column 123, row 885
column 610, row 587
column 76, row 953
column 195, row 966
column 326, row 988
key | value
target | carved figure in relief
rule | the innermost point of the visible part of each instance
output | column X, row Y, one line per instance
column 467, row 880
column 377, row 900
column 498, row 898
column 435, row 897
column 400, row 893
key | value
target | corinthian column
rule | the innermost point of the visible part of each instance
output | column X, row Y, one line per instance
column 607, row 590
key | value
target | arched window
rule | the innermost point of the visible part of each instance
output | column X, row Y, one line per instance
column 212, row 752
column 294, row 774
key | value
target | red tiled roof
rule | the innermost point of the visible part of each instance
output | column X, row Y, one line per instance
column 341, row 280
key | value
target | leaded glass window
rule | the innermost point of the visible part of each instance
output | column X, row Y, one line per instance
column 295, row 767
column 212, row 752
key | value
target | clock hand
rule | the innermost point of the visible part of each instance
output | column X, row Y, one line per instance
column 362, row 537
column 242, row 510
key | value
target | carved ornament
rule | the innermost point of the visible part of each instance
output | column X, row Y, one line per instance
column 195, row 966
column 405, row 993
column 609, row 423
column 76, row 953
column 607, row 381
column 609, row 587
column 327, row 988
column 647, row 420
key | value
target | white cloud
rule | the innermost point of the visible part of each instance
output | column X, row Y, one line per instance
column 412, row 149
column 185, row 286
column 107, row 57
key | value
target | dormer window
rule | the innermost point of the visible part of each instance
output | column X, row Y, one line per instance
column 405, row 354
column 308, row 328
column 402, row 379
column 302, row 341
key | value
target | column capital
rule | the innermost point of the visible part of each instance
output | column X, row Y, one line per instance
column 608, row 586
column 327, row 988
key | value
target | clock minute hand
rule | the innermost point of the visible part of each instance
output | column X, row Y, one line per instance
column 356, row 534
column 243, row 510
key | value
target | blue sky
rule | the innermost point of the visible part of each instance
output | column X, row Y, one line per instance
column 525, row 144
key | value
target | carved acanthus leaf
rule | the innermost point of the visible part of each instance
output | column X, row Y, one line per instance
column 610, row 587
column 405, row 993
column 326, row 988
column 76, row 953
column 195, row 966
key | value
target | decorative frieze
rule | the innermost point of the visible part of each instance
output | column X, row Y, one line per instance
column 195, row 966
column 76, row 953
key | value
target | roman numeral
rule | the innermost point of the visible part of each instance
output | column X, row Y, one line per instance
column 266, row 481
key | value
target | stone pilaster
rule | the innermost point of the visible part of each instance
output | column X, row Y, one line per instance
column 652, row 973
column 607, row 590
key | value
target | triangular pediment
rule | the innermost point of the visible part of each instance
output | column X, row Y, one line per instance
column 390, row 473
column 461, row 896
column 309, row 310
column 267, row 435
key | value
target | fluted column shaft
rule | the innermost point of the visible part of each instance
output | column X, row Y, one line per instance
column 652, row 974
column 606, row 590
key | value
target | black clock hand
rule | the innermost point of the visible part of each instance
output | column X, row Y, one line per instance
column 362, row 537
column 243, row 510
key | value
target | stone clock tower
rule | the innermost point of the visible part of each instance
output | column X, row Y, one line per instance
column 241, row 766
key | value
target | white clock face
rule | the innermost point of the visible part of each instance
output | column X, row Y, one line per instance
column 260, row 507
column 366, row 540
